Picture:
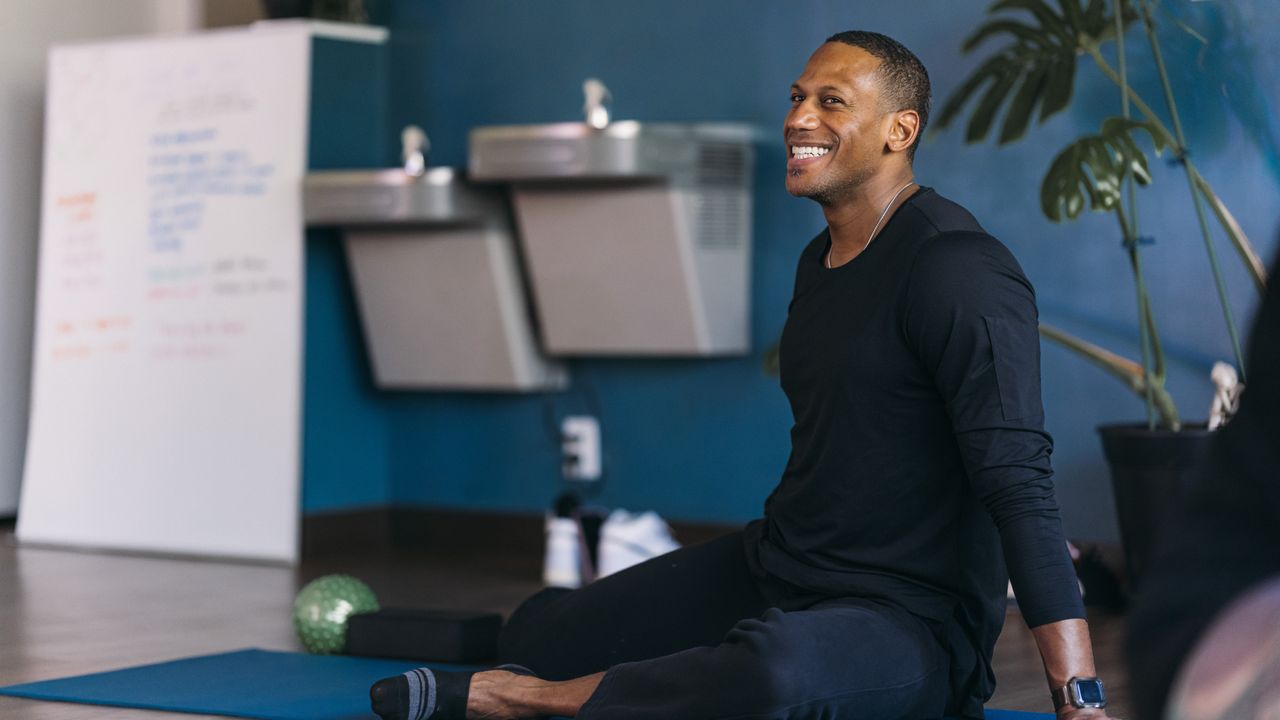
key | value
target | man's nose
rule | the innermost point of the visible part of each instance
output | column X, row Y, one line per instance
column 802, row 117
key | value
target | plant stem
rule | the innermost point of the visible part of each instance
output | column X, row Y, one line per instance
column 1148, row 334
column 1129, row 230
column 1244, row 248
column 1149, row 24
column 1129, row 92
column 1126, row 370
column 1249, row 256
column 1144, row 317
column 1121, row 60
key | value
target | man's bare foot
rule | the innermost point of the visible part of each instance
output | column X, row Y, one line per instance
column 501, row 695
column 489, row 695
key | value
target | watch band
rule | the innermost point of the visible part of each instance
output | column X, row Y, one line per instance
column 1061, row 697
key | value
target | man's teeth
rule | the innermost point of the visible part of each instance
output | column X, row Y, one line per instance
column 808, row 152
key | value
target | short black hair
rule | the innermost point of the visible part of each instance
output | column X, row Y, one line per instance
column 904, row 82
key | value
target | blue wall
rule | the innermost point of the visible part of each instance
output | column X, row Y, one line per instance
column 346, row 437
column 707, row 439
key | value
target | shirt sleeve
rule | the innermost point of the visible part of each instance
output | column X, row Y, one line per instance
column 971, row 318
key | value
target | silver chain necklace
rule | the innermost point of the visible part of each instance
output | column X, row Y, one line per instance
column 874, row 228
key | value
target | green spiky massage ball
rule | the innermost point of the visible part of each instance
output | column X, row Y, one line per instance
column 321, row 610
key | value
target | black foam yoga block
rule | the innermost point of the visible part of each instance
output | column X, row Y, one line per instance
column 456, row 636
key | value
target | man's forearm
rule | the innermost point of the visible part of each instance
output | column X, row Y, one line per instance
column 1066, row 651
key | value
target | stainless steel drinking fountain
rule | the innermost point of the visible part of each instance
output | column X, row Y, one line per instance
column 437, row 276
column 636, row 237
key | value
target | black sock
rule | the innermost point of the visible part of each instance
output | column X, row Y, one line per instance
column 422, row 694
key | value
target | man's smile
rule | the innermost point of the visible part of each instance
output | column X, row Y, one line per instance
column 803, row 155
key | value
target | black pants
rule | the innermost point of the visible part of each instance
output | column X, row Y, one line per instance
column 693, row 635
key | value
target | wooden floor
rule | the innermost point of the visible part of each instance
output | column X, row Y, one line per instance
column 66, row 613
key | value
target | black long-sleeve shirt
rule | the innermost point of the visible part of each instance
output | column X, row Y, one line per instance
column 919, row 467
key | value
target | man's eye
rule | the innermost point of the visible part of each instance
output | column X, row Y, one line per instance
column 831, row 101
column 797, row 97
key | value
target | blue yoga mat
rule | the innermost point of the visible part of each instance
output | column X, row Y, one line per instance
column 248, row 683
column 261, row 684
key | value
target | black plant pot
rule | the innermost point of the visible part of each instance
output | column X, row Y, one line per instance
column 1151, row 471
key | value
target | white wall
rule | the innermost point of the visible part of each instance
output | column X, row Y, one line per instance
column 29, row 28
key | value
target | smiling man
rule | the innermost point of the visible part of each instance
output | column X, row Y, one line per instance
column 918, row 483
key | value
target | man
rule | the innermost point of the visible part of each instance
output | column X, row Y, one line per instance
column 874, row 586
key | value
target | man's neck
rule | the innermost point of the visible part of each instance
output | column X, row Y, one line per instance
column 853, row 220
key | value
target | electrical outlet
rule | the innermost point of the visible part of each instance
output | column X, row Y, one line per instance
column 580, row 447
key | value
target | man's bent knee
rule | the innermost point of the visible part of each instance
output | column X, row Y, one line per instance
column 521, row 639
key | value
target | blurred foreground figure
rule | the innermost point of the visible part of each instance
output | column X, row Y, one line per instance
column 1235, row 670
column 1204, row 637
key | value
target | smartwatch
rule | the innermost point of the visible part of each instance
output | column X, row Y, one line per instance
column 1081, row 692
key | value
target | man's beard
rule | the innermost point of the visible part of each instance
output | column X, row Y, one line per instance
column 831, row 190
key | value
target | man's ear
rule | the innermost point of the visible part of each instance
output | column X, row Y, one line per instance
column 903, row 128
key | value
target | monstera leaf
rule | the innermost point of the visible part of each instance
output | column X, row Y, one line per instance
column 1037, row 68
column 1096, row 165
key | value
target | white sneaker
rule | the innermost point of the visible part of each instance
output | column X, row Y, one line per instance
column 562, row 565
column 628, row 539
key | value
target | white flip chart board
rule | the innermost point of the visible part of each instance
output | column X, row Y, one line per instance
column 168, row 352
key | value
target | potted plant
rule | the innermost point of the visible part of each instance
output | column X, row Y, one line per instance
column 1033, row 67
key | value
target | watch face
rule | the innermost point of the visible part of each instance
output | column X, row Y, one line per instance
column 1089, row 693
